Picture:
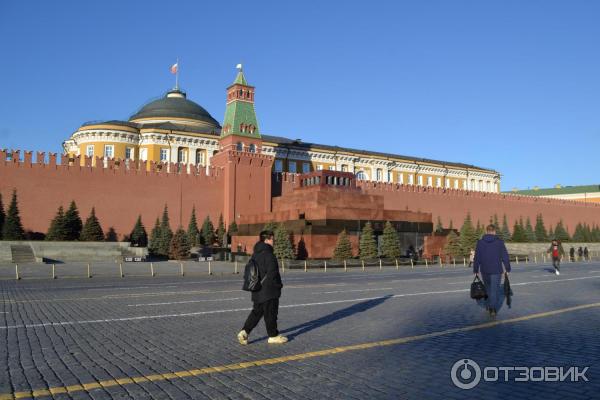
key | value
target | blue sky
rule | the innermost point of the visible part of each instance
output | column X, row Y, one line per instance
column 509, row 85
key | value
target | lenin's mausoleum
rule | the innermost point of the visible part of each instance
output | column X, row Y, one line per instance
column 173, row 152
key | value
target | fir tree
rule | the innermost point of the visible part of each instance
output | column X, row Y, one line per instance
column 495, row 222
column 208, row 232
column 540, row 230
column 221, row 231
column 468, row 237
column 12, row 228
column 92, row 231
column 579, row 234
column 301, row 253
column 439, row 228
column 367, row 244
column 451, row 225
column 596, row 234
column 138, row 236
column 179, row 248
column 587, row 233
column 550, row 233
column 270, row 226
column 529, row 233
column 111, row 235
column 2, row 215
column 479, row 231
column 390, row 247
column 282, row 247
column 154, row 239
column 519, row 235
column 452, row 247
column 72, row 223
column 233, row 228
column 560, row 233
column 504, row 231
column 57, row 230
column 193, row 232
column 166, row 234
column 343, row 247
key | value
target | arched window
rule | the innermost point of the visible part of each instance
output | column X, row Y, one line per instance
column 252, row 148
column 360, row 175
column 239, row 146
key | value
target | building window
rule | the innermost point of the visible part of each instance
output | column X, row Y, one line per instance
column 456, row 184
column 464, row 184
column 239, row 146
column 305, row 168
column 278, row 166
column 420, row 180
column 128, row 153
column 447, row 183
column 331, row 167
column 199, row 157
column 89, row 150
column 344, row 168
column 496, row 187
column 181, row 155
column 319, row 167
column 252, row 148
column 292, row 166
column 438, row 182
column 472, row 184
column 109, row 150
column 164, row 155
column 411, row 179
column 361, row 176
column 379, row 175
column 144, row 154
column 400, row 177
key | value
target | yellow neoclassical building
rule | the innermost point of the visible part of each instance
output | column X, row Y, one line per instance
column 176, row 129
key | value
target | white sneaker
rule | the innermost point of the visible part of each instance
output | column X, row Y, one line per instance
column 557, row 272
column 243, row 337
column 277, row 339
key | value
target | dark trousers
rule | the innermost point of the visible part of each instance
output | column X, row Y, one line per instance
column 556, row 263
column 492, row 287
column 268, row 310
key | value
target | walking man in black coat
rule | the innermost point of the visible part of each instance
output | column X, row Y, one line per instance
column 266, row 300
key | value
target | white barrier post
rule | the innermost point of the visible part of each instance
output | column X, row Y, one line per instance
column 17, row 277
column 441, row 262
column 412, row 265
column 380, row 266
column 121, row 270
column 426, row 264
column 397, row 266
column 454, row 262
column 53, row 271
column 517, row 259
column 181, row 269
column 345, row 266
column 363, row 264
column 89, row 271
column 305, row 266
column 152, row 270
column 235, row 268
column 325, row 265
column 464, row 262
column 209, row 268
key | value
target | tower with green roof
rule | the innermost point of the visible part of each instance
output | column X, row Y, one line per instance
column 240, row 117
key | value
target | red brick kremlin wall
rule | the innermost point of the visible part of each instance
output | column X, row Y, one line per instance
column 119, row 194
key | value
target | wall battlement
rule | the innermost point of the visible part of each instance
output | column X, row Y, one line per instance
column 102, row 165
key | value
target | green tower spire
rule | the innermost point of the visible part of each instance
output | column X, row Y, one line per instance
column 240, row 117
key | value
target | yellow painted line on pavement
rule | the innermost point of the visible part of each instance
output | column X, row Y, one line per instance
column 171, row 376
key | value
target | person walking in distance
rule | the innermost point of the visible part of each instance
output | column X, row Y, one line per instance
column 491, row 259
column 471, row 257
column 572, row 254
column 266, row 300
column 556, row 251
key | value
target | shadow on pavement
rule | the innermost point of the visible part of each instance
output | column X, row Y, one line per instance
column 298, row 330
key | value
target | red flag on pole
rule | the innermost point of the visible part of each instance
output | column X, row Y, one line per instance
column 174, row 68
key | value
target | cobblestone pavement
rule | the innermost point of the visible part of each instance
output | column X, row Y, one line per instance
column 379, row 334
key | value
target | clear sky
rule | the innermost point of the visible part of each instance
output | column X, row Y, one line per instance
column 508, row 85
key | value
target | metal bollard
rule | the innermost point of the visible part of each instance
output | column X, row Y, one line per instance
column 345, row 265
column 235, row 271
column 411, row 263
column 53, row 271
column 397, row 266
column 209, row 268
column 426, row 264
column 441, row 262
column 363, row 264
column 89, row 271
column 282, row 265
column 121, row 270
column 517, row 259
column 464, row 262
column 305, row 266
column 325, row 265
column 152, row 270
column 17, row 277
column 181, row 268
column 535, row 259
column 454, row 262
column 380, row 266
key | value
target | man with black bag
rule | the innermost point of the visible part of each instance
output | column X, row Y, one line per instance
column 490, row 257
column 266, row 292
